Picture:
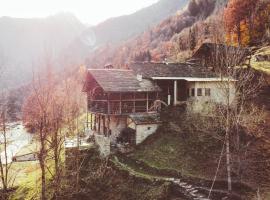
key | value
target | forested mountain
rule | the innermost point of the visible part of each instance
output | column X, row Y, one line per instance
column 159, row 39
column 118, row 30
column 177, row 37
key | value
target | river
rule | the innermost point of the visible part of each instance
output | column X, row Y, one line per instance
column 17, row 138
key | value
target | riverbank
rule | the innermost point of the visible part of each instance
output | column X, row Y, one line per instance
column 17, row 137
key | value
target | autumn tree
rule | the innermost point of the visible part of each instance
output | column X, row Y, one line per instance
column 245, row 20
column 143, row 56
column 192, row 38
column 37, row 114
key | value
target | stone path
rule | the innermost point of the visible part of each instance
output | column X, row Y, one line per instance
column 190, row 189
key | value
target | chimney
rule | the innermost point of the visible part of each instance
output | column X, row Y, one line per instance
column 139, row 77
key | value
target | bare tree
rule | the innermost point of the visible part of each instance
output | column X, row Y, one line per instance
column 4, row 164
column 238, row 85
column 73, row 110
column 36, row 114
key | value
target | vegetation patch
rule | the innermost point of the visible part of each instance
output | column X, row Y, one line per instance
column 263, row 65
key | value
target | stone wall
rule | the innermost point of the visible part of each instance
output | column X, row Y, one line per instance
column 143, row 131
column 117, row 124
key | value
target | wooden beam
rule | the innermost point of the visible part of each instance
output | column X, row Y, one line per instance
column 175, row 93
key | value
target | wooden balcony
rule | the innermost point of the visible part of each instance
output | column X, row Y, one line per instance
column 122, row 103
column 119, row 107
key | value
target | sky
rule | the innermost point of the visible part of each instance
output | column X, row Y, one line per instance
column 90, row 12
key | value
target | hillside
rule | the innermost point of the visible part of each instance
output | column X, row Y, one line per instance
column 95, row 42
column 161, row 39
column 121, row 28
column 25, row 42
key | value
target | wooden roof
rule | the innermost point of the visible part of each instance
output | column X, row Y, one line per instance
column 119, row 80
column 145, row 118
column 150, row 70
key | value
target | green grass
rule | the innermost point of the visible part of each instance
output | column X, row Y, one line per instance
column 27, row 180
column 185, row 154
column 261, row 66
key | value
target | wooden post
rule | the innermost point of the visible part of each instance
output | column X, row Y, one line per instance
column 98, row 123
column 120, row 103
column 134, row 103
column 175, row 93
column 147, row 102
column 95, row 122
column 104, row 128
column 108, row 127
column 91, row 118
column 169, row 96
column 108, row 102
column 87, row 110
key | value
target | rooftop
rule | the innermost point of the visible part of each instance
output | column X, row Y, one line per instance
column 150, row 70
column 120, row 80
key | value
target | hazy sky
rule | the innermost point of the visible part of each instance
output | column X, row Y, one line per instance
column 88, row 11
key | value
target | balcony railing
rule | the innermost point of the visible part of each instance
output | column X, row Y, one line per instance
column 119, row 107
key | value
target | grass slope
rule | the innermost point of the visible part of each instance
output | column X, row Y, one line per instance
column 187, row 154
column 263, row 65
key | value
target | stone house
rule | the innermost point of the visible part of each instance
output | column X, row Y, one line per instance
column 125, row 103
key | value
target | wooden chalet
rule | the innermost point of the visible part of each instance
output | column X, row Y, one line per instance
column 119, row 100
column 113, row 94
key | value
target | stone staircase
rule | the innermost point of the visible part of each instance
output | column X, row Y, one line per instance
column 189, row 189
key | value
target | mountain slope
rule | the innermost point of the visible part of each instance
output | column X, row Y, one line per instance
column 162, row 40
column 25, row 42
column 121, row 28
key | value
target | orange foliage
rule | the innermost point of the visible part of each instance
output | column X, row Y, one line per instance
column 245, row 21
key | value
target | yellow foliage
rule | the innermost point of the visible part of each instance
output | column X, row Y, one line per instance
column 245, row 34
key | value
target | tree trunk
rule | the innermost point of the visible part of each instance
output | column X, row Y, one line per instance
column 239, row 35
column 43, row 180
column 42, row 163
column 228, row 162
column 56, row 163
column 3, row 166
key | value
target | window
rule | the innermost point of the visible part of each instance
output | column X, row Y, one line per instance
column 188, row 93
column 207, row 92
column 199, row 92
column 193, row 92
